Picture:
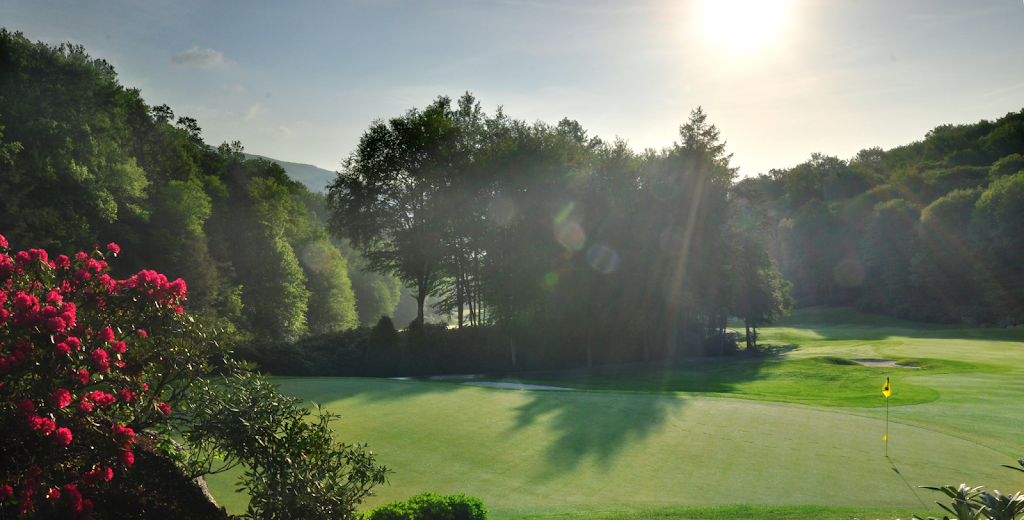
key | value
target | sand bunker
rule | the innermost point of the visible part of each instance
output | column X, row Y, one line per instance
column 880, row 363
column 515, row 386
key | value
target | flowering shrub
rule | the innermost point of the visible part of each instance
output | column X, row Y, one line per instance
column 86, row 360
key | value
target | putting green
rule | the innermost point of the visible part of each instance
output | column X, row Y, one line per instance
column 528, row 453
column 531, row 452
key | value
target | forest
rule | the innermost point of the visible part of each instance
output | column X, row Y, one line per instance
column 929, row 231
column 543, row 246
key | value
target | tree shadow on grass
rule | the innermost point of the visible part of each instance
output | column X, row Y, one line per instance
column 847, row 323
column 593, row 426
column 370, row 390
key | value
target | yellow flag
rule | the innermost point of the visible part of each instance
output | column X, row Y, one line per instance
column 886, row 391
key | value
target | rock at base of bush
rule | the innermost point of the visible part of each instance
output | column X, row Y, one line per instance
column 155, row 489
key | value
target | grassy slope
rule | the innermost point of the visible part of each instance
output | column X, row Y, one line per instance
column 542, row 453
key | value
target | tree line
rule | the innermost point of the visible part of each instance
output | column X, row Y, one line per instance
column 570, row 249
column 928, row 231
column 85, row 161
column 578, row 250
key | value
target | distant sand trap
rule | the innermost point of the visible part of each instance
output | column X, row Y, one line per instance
column 516, row 386
column 880, row 363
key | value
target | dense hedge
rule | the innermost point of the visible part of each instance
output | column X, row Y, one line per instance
column 435, row 349
column 430, row 506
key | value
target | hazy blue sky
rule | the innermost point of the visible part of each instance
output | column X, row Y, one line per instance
column 301, row 80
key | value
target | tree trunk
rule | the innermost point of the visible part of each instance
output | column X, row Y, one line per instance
column 512, row 349
column 421, row 298
column 460, row 284
column 747, row 325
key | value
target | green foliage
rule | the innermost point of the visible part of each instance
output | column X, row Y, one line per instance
column 431, row 506
column 376, row 294
column 84, row 161
column 293, row 466
column 904, row 231
column 975, row 503
column 339, row 353
column 383, row 350
column 332, row 304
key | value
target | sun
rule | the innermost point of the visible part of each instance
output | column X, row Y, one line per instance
column 743, row 24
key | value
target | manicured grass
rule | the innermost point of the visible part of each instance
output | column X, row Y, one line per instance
column 529, row 452
column 759, row 512
column 646, row 446
column 825, row 381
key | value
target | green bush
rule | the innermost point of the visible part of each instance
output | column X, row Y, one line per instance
column 293, row 466
column 383, row 350
column 431, row 506
column 977, row 504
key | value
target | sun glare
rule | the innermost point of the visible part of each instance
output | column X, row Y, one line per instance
column 743, row 24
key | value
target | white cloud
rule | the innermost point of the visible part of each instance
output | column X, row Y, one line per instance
column 251, row 113
column 283, row 131
column 196, row 57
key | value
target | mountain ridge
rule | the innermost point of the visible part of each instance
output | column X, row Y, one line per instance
column 313, row 177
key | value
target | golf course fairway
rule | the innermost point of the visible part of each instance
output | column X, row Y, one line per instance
column 538, row 453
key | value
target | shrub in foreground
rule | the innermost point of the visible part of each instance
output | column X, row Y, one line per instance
column 87, row 361
column 977, row 504
column 431, row 506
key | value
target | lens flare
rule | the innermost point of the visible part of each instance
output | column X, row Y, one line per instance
column 551, row 279
column 603, row 258
column 502, row 211
column 315, row 257
column 564, row 214
column 570, row 235
column 849, row 272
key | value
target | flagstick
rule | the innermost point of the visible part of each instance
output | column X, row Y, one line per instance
column 886, row 427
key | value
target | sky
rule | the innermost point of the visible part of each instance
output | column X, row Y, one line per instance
column 301, row 81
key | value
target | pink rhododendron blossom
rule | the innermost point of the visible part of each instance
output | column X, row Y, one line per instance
column 82, row 275
column 126, row 458
column 3, row 242
column 22, row 257
column 26, row 407
column 164, row 408
column 102, row 360
column 26, row 302
column 72, row 498
column 101, row 398
column 55, row 324
column 61, row 349
column 43, row 424
column 53, row 495
column 107, row 334
column 62, row 262
column 118, row 347
column 83, row 376
column 37, row 255
column 5, row 490
column 141, row 333
column 124, row 433
column 90, row 478
column 62, row 436
column 125, row 395
column 114, row 248
column 61, row 398
column 74, row 343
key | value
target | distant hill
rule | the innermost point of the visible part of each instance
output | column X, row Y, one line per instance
column 314, row 178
